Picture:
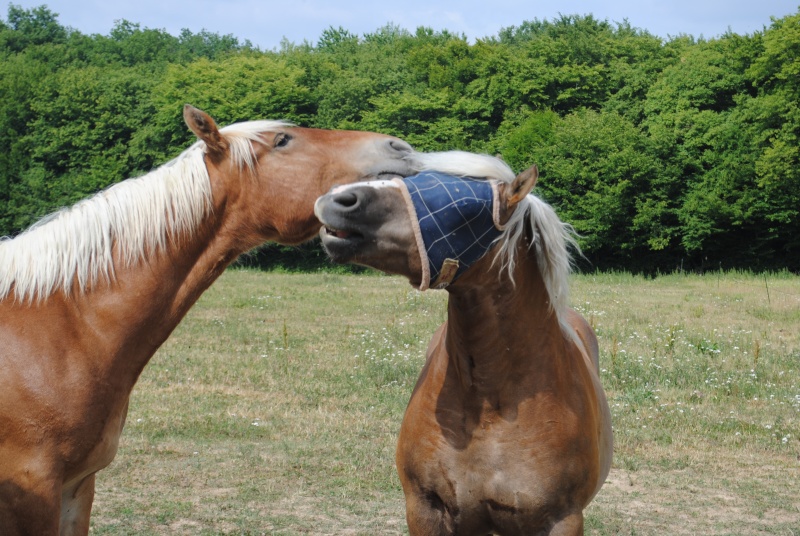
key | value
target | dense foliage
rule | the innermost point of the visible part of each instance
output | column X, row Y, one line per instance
column 662, row 153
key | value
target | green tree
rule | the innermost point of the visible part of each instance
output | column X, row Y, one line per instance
column 345, row 75
column 599, row 172
column 688, row 111
column 79, row 139
column 425, row 120
column 240, row 87
column 524, row 136
column 205, row 44
column 30, row 27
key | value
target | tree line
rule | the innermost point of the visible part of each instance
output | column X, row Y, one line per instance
column 662, row 153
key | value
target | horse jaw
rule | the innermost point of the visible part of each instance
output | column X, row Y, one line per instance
column 368, row 224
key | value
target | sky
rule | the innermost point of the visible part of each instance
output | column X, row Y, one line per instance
column 266, row 22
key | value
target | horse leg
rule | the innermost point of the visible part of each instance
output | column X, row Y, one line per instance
column 571, row 525
column 427, row 515
column 28, row 508
column 76, row 507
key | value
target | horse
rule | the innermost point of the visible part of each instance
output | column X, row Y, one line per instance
column 507, row 430
column 88, row 294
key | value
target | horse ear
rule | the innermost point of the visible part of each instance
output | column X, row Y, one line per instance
column 204, row 128
column 511, row 193
column 522, row 185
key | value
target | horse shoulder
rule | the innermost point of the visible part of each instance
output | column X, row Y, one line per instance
column 419, row 418
column 586, row 336
column 433, row 357
column 52, row 399
column 591, row 357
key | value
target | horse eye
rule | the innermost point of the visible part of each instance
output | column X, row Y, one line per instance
column 282, row 140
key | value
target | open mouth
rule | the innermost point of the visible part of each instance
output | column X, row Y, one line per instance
column 340, row 245
column 339, row 234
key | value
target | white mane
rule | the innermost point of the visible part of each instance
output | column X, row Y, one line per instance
column 552, row 237
column 135, row 218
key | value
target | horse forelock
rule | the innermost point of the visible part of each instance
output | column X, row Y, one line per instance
column 552, row 237
column 136, row 216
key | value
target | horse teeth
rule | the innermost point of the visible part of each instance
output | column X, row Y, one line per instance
column 336, row 233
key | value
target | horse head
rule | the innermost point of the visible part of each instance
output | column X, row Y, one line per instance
column 268, row 173
column 430, row 227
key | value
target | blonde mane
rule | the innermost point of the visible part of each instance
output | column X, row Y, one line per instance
column 552, row 237
column 135, row 217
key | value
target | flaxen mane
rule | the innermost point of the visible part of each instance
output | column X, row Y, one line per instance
column 552, row 237
column 138, row 216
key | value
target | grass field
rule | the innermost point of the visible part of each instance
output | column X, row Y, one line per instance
column 274, row 407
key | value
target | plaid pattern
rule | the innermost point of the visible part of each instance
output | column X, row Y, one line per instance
column 456, row 220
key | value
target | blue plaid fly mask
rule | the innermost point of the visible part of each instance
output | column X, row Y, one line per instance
column 456, row 221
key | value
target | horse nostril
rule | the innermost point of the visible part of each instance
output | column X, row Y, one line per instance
column 346, row 200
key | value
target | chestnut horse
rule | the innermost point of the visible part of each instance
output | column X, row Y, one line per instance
column 508, row 430
column 89, row 294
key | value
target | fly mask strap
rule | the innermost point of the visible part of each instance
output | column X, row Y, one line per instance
column 455, row 222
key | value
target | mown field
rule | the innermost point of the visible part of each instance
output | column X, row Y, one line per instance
column 274, row 407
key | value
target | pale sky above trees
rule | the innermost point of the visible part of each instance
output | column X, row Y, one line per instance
column 266, row 22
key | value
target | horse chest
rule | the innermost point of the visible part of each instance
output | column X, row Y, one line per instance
column 485, row 489
column 504, row 477
column 497, row 469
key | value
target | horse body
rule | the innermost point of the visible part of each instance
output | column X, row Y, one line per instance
column 508, row 430
column 75, row 343
column 501, row 433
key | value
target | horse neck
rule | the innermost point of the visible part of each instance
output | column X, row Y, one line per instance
column 498, row 331
column 139, row 309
